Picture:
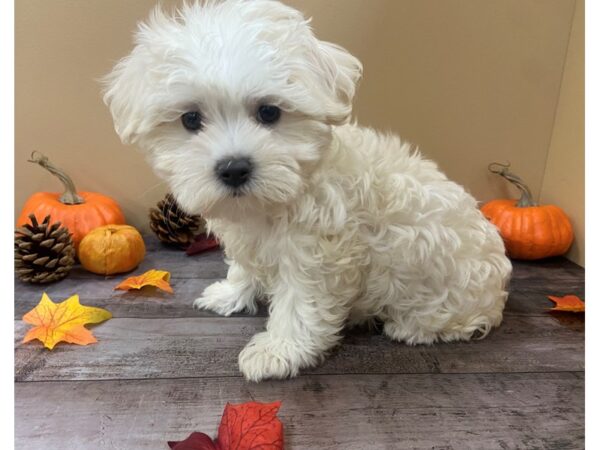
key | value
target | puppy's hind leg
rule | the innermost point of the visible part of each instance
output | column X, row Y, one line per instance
column 414, row 329
column 236, row 293
column 407, row 329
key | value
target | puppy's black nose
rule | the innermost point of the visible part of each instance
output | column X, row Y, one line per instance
column 234, row 171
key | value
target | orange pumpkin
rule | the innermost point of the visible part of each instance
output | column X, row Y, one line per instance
column 529, row 230
column 80, row 212
column 112, row 249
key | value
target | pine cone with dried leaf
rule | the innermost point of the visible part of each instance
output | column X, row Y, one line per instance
column 44, row 252
column 172, row 225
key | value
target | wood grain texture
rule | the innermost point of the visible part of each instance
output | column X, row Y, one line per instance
column 530, row 284
column 162, row 370
column 350, row 412
column 208, row 347
column 525, row 298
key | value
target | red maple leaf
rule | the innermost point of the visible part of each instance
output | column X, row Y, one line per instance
column 202, row 243
column 247, row 426
column 195, row 441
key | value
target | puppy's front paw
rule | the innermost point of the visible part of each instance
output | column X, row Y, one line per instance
column 225, row 298
column 266, row 357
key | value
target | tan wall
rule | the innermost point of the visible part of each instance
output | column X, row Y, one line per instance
column 564, row 177
column 469, row 81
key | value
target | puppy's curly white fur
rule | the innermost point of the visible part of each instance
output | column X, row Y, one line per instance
column 246, row 115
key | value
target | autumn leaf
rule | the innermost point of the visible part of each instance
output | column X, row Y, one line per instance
column 195, row 441
column 568, row 303
column 251, row 425
column 63, row 321
column 156, row 278
column 202, row 243
column 246, row 426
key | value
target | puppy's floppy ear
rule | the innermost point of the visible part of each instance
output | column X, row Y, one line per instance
column 338, row 75
column 126, row 94
column 136, row 89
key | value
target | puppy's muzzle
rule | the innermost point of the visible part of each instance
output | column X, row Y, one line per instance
column 234, row 172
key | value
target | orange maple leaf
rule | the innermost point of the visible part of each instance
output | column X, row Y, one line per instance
column 569, row 303
column 156, row 278
column 56, row 322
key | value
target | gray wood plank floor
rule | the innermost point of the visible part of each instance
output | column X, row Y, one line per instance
column 162, row 370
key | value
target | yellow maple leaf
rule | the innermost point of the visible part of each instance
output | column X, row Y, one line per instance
column 56, row 322
column 569, row 303
column 156, row 278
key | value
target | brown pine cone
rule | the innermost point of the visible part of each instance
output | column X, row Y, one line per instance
column 43, row 252
column 172, row 225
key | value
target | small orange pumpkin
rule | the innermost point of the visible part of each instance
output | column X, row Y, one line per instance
column 529, row 230
column 80, row 212
column 112, row 249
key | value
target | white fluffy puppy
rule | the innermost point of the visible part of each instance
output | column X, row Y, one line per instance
column 245, row 114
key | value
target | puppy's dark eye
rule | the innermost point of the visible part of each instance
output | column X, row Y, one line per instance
column 268, row 114
column 192, row 120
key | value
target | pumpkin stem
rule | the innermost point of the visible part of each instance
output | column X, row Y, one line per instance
column 526, row 199
column 70, row 196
